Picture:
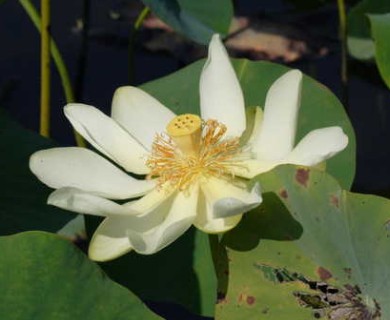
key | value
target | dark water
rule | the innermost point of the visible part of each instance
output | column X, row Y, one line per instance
column 107, row 69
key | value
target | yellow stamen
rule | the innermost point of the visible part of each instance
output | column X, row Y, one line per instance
column 192, row 149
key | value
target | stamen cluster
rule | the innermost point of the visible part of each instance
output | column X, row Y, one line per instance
column 216, row 156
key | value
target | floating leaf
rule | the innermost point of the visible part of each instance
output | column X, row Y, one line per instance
column 360, row 43
column 45, row 277
column 198, row 20
column 182, row 273
column 23, row 198
column 380, row 25
column 327, row 259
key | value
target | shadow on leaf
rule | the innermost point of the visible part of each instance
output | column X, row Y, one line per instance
column 271, row 220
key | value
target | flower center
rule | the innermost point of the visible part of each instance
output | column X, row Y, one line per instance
column 191, row 149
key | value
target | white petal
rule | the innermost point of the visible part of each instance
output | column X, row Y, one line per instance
column 277, row 135
column 227, row 199
column 253, row 127
column 317, row 146
column 179, row 215
column 251, row 168
column 83, row 169
column 150, row 209
column 108, row 137
column 224, row 203
column 79, row 201
column 140, row 114
column 221, row 97
column 205, row 222
column 109, row 240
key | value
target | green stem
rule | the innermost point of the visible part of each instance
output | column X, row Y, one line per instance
column 344, row 53
column 220, row 262
column 44, row 126
column 214, row 246
column 57, row 58
column 140, row 19
column 137, row 24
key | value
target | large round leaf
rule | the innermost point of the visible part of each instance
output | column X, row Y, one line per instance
column 320, row 108
column 23, row 197
column 380, row 25
column 360, row 43
column 45, row 277
column 182, row 273
column 328, row 258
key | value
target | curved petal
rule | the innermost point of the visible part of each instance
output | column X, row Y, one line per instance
column 227, row 199
column 317, row 146
column 79, row 201
column 253, row 121
column 179, row 216
column 252, row 167
column 276, row 137
column 108, row 137
column 140, row 114
column 83, row 169
column 224, row 203
column 151, row 208
column 220, row 92
column 109, row 240
column 205, row 221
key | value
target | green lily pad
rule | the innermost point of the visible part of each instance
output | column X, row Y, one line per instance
column 319, row 108
column 198, row 20
column 327, row 259
column 380, row 25
column 23, row 198
column 182, row 273
column 360, row 43
column 45, row 277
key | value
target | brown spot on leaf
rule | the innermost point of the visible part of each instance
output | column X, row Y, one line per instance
column 250, row 300
column 283, row 194
column 302, row 176
column 324, row 274
column 334, row 200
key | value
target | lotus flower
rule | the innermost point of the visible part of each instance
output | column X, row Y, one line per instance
column 196, row 168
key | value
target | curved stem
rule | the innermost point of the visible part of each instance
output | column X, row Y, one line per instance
column 344, row 57
column 137, row 24
column 44, row 125
column 57, row 58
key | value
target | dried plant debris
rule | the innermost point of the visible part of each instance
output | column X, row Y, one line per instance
column 254, row 38
column 326, row 301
